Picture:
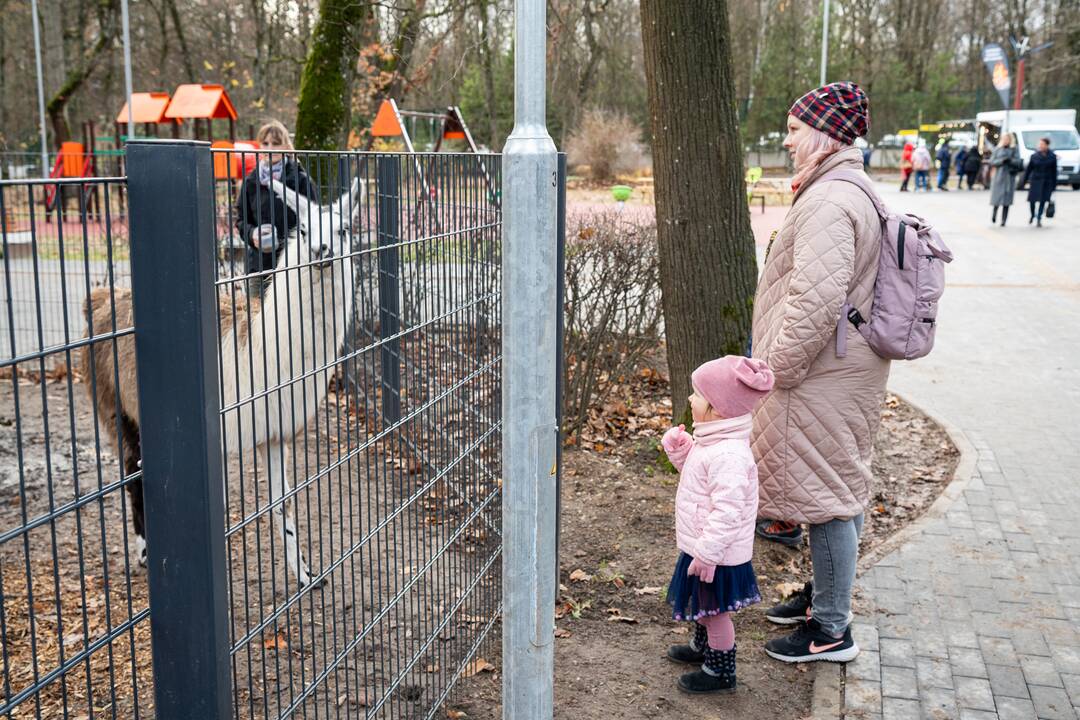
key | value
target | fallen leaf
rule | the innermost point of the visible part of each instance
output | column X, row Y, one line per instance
column 580, row 575
column 561, row 633
column 432, row 668
column 787, row 589
column 477, row 666
column 622, row 618
column 680, row 630
column 277, row 642
column 455, row 714
column 649, row 590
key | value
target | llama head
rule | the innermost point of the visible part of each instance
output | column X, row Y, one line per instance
column 325, row 230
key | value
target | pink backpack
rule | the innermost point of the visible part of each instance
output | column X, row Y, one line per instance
column 910, row 281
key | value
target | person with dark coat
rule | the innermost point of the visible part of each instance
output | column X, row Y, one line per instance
column 262, row 218
column 944, row 159
column 972, row 163
column 1042, row 172
column 958, row 165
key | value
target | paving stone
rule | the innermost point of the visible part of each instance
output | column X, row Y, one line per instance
column 931, row 643
column 862, row 696
column 1072, row 687
column 1040, row 671
column 974, row 693
column 865, row 636
column 967, row 662
column 898, row 653
column 1010, row 708
column 867, row 666
column 959, row 634
column 933, row 672
column 969, row 714
column 899, row 682
column 1066, row 658
column 998, row 651
column 938, row 704
column 901, row 709
column 1052, row 703
column 1030, row 642
column 1007, row 680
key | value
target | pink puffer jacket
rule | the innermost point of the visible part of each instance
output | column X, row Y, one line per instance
column 717, row 500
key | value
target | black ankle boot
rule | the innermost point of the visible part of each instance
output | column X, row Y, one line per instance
column 693, row 653
column 717, row 675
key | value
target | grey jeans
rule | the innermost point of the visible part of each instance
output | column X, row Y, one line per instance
column 834, row 551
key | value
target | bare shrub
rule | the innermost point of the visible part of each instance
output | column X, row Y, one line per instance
column 612, row 309
column 609, row 143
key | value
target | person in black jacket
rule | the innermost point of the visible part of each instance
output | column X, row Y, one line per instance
column 958, row 164
column 262, row 218
column 972, row 164
column 1042, row 172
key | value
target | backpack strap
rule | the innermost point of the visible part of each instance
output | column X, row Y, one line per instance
column 863, row 182
column 848, row 311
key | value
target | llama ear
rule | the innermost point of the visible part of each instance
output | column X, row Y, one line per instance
column 297, row 202
column 353, row 197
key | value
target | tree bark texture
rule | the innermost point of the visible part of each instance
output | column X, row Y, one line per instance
column 708, row 270
column 322, row 115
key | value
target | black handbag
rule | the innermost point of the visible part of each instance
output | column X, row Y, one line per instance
column 1050, row 209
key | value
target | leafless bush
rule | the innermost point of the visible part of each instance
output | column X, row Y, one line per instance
column 612, row 311
column 609, row 143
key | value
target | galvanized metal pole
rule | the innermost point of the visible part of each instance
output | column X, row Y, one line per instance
column 528, row 394
column 825, row 43
column 40, row 90
column 126, row 26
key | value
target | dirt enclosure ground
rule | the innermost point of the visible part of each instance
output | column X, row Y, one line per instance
column 616, row 557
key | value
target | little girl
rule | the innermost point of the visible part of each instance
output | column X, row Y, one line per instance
column 715, row 509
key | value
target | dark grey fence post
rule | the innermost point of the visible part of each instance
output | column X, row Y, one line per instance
column 388, row 190
column 171, row 195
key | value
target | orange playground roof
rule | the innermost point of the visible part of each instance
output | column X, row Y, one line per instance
column 147, row 107
column 201, row 101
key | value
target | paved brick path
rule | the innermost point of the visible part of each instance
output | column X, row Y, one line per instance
column 977, row 615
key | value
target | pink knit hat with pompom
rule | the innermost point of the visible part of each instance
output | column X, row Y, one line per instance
column 733, row 384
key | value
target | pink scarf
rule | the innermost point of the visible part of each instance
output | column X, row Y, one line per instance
column 737, row 428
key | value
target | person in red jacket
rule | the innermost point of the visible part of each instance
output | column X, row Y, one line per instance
column 906, row 165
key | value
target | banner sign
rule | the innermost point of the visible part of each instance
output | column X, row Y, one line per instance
column 997, row 62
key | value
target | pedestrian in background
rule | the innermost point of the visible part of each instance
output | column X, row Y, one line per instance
column 1042, row 172
column 921, row 162
column 944, row 159
column 905, row 165
column 958, row 165
column 972, row 163
column 1005, row 163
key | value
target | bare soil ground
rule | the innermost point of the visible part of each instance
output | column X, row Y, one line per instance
column 617, row 552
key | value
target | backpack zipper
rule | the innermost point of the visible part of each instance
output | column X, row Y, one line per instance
column 900, row 245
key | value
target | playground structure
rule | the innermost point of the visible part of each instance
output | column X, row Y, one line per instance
column 392, row 122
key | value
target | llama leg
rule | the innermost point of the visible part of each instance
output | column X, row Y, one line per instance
column 132, row 465
column 282, row 515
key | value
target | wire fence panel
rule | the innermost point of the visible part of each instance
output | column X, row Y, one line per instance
column 60, row 238
column 73, row 618
column 359, row 367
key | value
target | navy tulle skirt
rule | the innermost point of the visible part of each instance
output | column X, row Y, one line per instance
column 732, row 588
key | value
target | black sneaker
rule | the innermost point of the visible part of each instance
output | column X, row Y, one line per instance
column 809, row 644
column 717, row 674
column 796, row 610
column 789, row 534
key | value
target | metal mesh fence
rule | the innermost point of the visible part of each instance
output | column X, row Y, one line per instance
column 73, row 613
column 361, row 428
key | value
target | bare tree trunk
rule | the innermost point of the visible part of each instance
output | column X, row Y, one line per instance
column 708, row 270
column 185, row 54
column 81, row 71
column 404, row 45
column 489, row 47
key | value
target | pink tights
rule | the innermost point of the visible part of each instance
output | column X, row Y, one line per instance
column 721, row 631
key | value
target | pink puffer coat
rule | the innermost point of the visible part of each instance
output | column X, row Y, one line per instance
column 716, row 504
column 814, row 434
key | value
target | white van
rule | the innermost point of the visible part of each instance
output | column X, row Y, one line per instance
column 1030, row 126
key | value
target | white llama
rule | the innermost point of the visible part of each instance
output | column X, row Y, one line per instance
column 277, row 356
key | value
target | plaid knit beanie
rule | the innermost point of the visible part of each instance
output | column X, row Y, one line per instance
column 841, row 110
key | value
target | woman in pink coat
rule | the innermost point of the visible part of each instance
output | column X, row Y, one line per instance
column 715, row 509
column 813, row 435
